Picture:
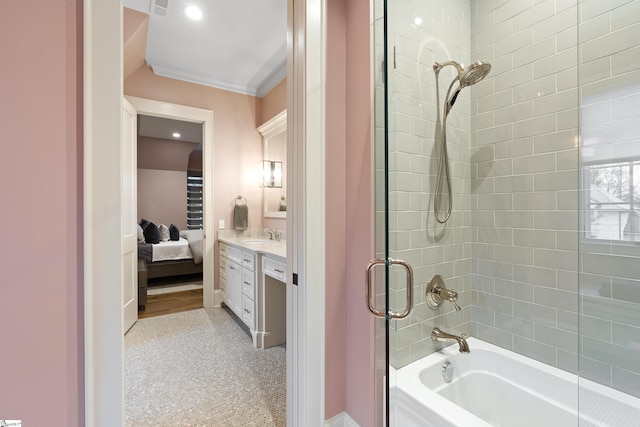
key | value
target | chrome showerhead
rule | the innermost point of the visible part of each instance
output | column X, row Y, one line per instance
column 473, row 73
column 467, row 76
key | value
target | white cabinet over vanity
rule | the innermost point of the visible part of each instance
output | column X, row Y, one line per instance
column 253, row 285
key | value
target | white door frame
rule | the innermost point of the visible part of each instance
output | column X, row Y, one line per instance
column 306, row 220
column 129, row 186
column 103, row 91
column 151, row 107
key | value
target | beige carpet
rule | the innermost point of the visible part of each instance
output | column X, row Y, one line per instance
column 199, row 368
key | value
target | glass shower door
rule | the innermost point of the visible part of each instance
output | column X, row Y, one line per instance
column 410, row 241
column 539, row 256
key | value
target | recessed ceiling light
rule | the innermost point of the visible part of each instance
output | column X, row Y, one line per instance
column 176, row 135
column 193, row 12
column 417, row 21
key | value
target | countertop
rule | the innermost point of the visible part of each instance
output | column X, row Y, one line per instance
column 271, row 248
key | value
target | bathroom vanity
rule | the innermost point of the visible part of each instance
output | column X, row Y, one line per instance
column 253, row 285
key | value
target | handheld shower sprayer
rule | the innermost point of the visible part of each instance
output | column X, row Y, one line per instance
column 467, row 76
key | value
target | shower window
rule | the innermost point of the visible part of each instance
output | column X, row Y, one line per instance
column 613, row 210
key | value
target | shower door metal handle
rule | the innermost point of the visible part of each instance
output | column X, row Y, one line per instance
column 370, row 294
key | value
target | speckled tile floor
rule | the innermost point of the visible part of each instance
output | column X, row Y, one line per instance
column 199, row 368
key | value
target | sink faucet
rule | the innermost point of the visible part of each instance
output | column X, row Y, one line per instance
column 272, row 234
column 438, row 335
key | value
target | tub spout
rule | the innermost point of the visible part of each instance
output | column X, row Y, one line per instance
column 438, row 335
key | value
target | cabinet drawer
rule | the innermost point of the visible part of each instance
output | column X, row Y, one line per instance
column 224, row 266
column 233, row 254
column 223, row 283
column 223, row 249
column 247, row 311
column 233, row 269
column 248, row 260
column 275, row 269
column 248, row 284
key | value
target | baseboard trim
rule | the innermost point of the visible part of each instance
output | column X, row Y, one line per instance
column 341, row 420
column 217, row 297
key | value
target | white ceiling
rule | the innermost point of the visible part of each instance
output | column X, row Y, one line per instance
column 238, row 45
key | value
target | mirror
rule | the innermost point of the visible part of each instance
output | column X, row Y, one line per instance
column 273, row 166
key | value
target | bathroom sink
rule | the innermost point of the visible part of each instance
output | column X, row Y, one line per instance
column 254, row 241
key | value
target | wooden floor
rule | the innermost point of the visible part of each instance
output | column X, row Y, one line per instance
column 174, row 302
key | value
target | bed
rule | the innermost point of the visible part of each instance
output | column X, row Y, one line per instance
column 167, row 259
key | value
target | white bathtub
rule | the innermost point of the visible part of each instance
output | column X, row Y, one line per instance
column 496, row 387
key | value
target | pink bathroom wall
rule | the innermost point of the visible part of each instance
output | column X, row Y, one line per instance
column 41, row 356
column 272, row 103
column 335, row 211
column 135, row 28
column 359, row 213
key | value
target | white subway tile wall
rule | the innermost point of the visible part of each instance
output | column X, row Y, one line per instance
column 564, row 73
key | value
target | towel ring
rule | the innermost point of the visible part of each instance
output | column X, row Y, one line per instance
column 241, row 199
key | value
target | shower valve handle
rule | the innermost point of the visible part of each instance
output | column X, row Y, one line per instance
column 437, row 293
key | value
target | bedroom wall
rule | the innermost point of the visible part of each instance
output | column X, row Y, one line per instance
column 163, row 199
column 162, row 180
column 41, row 299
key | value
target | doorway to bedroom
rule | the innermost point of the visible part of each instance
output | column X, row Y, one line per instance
column 170, row 197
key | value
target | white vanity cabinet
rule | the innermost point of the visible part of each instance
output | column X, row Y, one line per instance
column 272, row 305
column 253, row 285
column 237, row 282
column 248, row 289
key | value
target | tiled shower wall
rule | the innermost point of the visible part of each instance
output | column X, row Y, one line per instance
column 540, row 287
column 513, row 140
column 524, row 179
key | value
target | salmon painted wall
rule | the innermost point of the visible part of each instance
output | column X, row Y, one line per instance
column 272, row 103
column 359, row 212
column 41, row 299
column 335, row 212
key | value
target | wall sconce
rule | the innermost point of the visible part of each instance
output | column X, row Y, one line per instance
column 271, row 174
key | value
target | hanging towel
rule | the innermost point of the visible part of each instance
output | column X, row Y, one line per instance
column 240, row 217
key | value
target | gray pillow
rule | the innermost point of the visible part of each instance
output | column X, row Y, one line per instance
column 164, row 233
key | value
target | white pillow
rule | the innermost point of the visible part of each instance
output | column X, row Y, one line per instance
column 164, row 233
column 140, row 234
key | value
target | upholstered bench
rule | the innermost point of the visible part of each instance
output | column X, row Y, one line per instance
column 142, row 284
